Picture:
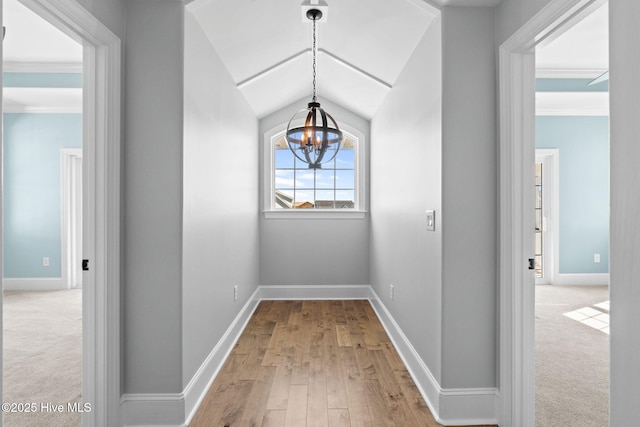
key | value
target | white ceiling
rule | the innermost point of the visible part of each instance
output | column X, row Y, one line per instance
column 31, row 41
column 581, row 51
column 363, row 46
column 33, row 45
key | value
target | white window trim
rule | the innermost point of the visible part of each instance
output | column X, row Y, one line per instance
column 270, row 212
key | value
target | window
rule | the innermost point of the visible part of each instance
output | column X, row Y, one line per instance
column 297, row 191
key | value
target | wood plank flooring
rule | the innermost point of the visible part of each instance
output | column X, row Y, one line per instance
column 313, row 363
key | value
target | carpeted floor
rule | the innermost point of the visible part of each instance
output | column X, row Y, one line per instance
column 572, row 356
column 42, row 357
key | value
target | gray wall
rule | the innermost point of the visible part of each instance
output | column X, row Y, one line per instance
column 153, row 192
column 337, row 249
column 624, row 63
column 469, row 198
column 220, row 216
column 444, row 114
column 406, row 180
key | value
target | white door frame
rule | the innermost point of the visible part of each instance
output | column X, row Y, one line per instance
column 71, row 203
column 549, row 157
column 101, row 204
column 517, row 146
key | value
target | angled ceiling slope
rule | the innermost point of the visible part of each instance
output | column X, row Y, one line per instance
column 266, row 47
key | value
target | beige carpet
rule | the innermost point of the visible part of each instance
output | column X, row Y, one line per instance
column 43, row 356
column 572, row 357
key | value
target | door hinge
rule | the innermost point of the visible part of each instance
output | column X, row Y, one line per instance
column 85, row 265
column 532, row 263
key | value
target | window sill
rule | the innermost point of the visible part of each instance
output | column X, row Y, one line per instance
column 315, row 214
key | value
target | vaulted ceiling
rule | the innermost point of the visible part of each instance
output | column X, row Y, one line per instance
column 266, row 47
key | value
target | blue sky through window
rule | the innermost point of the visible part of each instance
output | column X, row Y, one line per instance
column 298, row 187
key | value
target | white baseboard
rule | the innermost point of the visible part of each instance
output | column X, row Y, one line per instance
column 587, row 279
column 302, row 292
column 448, row 406
column 34, row 284
column 177, row 410
column 153, row 409
column 208, row 371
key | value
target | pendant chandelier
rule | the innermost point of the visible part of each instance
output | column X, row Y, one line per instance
column 312, row 134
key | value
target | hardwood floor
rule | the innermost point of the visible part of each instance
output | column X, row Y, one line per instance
column 313, row 363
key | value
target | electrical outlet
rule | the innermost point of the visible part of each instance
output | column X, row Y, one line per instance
column 235, row 293
column 391, row 292
column 45, row 261
column 596, row 257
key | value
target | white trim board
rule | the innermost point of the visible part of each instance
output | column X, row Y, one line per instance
column 42, row 67
column 34, row 284
column 320, row 292
column 448, row 406
column 585, row 279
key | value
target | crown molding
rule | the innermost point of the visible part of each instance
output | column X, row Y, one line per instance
column 568, row 74
column 42, row 67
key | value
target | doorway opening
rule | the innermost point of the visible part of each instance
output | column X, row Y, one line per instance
column 572, row 297
column 100, row 136
column 517, row 170
column 42, row 227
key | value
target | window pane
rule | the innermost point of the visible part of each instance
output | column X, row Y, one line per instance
column 305, row 178
column 324, row 199
column 330, row 187
column 331, row 152
column 344, row 159
column 284, row 178
column 345, row 199
column 284, row 159
column 325, row 179
column 283, row 199
column 303, row 199
column 345, row 179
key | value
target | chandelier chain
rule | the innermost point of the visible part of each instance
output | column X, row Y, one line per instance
column 314, row 60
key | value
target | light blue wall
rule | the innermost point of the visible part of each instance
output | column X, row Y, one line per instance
column 71, row 80
column 570, row 85
column 31, row 164
column 583, row 143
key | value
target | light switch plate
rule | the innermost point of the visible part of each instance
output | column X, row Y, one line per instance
column 431, row 220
